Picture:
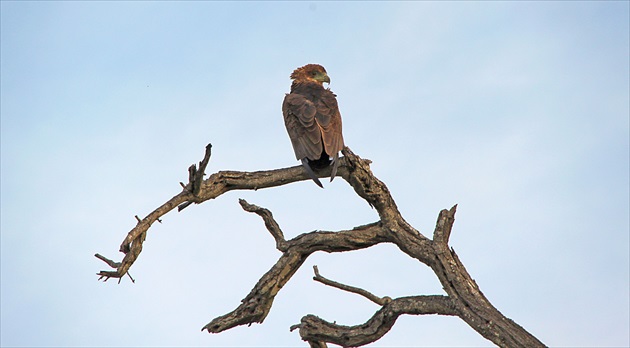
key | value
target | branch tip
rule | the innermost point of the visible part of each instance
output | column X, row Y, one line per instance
column 444, row 226
column 198, row 177
column 246, row 206
column 378, row 300
column 271, row 224
column 109, row 262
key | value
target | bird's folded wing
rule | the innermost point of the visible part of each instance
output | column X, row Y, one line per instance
column 329, row 121
column 299, row 118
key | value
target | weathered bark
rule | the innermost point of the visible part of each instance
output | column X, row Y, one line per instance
column 464, row 298
column 316, row 329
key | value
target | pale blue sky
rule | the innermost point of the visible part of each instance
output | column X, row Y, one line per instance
column 516, row 111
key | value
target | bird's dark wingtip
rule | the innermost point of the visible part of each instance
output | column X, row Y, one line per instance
column 319, row 183
column 335, row 165
column 310, row 172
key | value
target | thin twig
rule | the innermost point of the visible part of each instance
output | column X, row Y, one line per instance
column 109, row 262
column 381, row 301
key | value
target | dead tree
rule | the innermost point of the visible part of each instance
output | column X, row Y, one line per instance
column 464, row 298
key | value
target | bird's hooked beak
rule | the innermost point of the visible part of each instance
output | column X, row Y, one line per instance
column 322, row 77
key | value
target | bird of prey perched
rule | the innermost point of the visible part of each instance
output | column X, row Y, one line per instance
column 313, row 121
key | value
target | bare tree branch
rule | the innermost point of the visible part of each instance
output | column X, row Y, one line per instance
column 255, row 307
column 216, row 185
column 317, row 344
column 313, row 328
column 378, row 300
column 196, row 176
column 132, row 245
column 463, row 297
column 111, row 264
column 270, row 223
column 444, row 227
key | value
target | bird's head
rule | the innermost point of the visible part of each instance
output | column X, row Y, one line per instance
column 311, row 72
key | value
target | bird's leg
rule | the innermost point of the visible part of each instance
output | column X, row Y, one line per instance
column 310, row 172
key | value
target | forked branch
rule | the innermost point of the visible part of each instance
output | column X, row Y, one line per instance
column 195, row 176
column 313, row 328
column 257, row 304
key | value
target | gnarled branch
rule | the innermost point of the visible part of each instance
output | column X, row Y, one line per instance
column 255, row 307
column 313, row 328
column 270, row 223
column 463, row 297
column 216, row 185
